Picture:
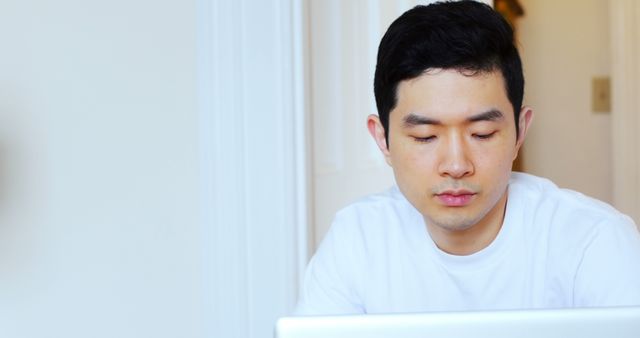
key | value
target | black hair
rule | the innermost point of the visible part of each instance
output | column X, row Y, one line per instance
column 465, row 35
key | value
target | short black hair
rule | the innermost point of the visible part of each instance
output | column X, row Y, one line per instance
column 465, row 35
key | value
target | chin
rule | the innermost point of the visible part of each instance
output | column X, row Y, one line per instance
column 455, row 223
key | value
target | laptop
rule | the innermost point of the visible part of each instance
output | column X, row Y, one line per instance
column 622, row 322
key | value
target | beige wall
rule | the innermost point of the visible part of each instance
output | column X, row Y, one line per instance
column 564, row 44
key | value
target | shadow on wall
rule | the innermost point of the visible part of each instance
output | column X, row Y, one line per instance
column 21, row 194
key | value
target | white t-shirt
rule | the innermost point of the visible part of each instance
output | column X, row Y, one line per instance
column 557, row 248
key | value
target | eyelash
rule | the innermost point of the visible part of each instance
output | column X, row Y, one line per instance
column 424, row 139
column 484, row 136
column 431, row 138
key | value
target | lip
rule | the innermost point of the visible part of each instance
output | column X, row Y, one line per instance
column 456, row 198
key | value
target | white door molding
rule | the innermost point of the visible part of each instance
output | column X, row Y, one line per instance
column 625, row 71
column 253, row 162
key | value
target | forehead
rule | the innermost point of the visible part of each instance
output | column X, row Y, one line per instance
column 451, row 95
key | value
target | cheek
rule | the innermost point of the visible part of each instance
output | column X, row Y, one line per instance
column 414, row 176
column 408, row 159
column 498, row 156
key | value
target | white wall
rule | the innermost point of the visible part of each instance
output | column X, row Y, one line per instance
column 564, row 44
column 98, row 130
column 116, row 217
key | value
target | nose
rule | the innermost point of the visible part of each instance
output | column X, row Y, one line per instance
column 454, row 158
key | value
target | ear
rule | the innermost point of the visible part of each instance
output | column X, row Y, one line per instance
column 524, row 122
column 377, row 132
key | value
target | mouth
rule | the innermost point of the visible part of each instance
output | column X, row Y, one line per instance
column 455, row 198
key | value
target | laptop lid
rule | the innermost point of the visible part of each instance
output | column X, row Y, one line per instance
column 623, row 322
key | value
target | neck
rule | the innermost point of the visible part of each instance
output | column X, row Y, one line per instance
column 468, row 241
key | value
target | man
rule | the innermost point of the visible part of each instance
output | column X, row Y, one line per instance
column 460, row 231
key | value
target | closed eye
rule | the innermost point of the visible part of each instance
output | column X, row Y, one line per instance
column 484, row 136
column 424, row 139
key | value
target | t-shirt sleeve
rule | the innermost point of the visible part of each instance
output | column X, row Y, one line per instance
column 329, row 286
column 609, row 271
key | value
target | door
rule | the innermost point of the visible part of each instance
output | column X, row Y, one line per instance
column 343, row 43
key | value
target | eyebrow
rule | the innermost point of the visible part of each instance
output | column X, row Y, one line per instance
column 416, row 120
column 491, row 115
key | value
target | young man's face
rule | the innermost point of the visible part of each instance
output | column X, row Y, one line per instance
column 452, row 141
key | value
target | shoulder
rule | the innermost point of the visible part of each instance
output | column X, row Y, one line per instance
column 336, row 276
column 390, row 201
column 375, row 212
column 590, row 248
column 544, row 199
column 568, row 220
column 372, row 223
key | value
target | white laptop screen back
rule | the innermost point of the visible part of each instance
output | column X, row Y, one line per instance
column 565, row 323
